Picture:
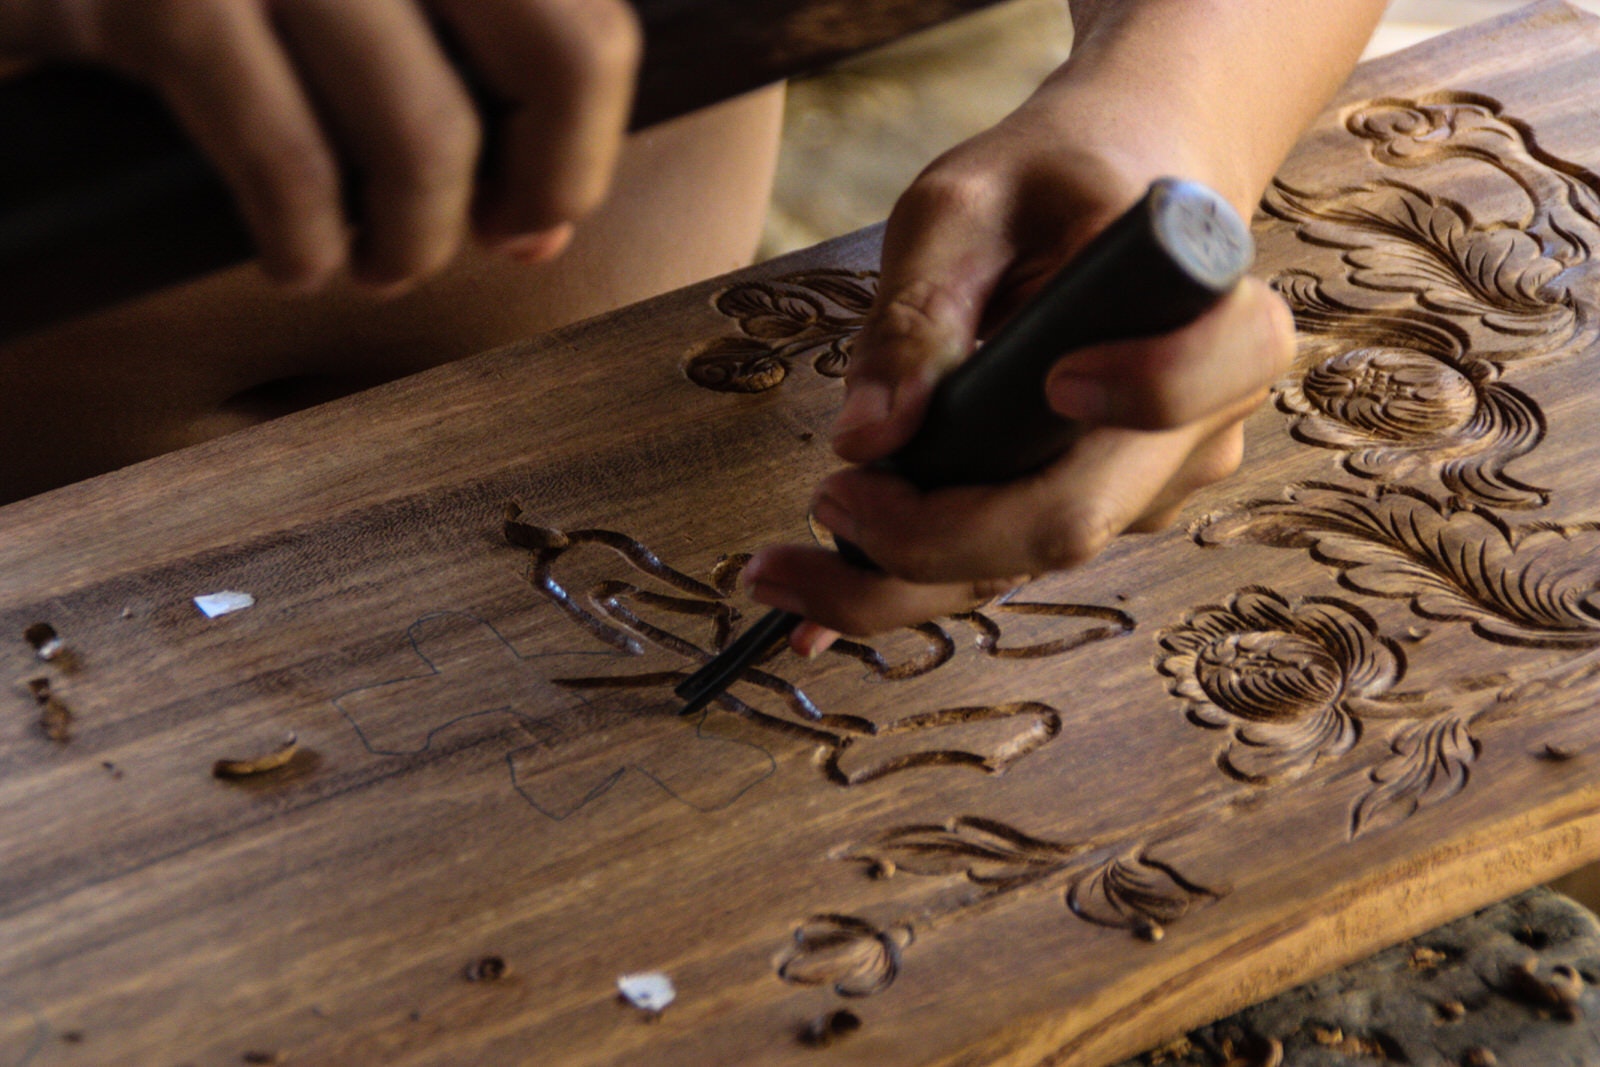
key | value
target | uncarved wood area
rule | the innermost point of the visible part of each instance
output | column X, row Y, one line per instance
column 1349, row 697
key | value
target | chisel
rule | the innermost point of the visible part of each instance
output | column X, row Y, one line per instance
column 1157, row 268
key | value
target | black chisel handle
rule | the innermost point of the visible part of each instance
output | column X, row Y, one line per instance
column 1157, row 268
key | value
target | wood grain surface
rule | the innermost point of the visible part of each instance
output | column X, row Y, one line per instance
column 1349, row 697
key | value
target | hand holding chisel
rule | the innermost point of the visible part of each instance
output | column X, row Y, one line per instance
column 1160, row 266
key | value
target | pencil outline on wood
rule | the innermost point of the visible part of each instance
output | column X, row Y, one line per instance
column 540, row 728
column 812, row 313
column 856, row 749
column 1404, row 346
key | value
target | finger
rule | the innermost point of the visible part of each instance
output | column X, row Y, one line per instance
column 404, row 122
column 1233, row 351
column 835, row 595
column 223, row 72
column 1056, row 519
column 811, row 640
column 1211, row 461
column 565, row 70
column 943, row 256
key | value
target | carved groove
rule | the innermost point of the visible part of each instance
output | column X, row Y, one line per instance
column 640, row 621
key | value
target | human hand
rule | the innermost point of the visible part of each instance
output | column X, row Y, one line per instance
column 1163, row 415
column 298, row 102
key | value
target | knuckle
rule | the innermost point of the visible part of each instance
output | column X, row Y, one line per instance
column 601, row 41
column 289, row 176
column 1221, row 459
column 435, row 147
column 1071, row 537
column 944, row 191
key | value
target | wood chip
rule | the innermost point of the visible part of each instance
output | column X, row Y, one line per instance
column 487, row 969
column 245, row 768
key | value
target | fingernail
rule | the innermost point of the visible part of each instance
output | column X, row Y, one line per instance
column 1079, row 398
column 866, row 404
column 776, row 596
column 535, row 248
column 836, row 517
column 812, row 640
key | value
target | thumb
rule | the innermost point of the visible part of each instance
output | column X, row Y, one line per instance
column 942, row 258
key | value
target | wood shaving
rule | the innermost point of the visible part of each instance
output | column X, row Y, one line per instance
column 245, row 768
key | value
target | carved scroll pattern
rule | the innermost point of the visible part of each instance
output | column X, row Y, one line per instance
column 1114, row 884
column 1405, row 350
column 781, row 321
column 1406, row 345
column 680, row 622
column 1535, row 586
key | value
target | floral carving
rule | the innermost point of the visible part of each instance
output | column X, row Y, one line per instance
column 666, row 623
column 852, row 955
column 1287, row 681
column 1536, row 585
column 1532, row 586
column 781, row 320
column 1117, row 886
column 1396, row 394
column 1404, row 350
column 1134, row 892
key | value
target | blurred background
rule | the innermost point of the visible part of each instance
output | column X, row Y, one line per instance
column 857, row 135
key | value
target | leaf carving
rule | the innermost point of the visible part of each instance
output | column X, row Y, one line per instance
column 811, row 313
column 1536, row 585
column 1430, row 761
column 987, row 852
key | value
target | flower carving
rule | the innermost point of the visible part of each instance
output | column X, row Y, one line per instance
column 1288, row 681
column 781, row 320
column 852, row 955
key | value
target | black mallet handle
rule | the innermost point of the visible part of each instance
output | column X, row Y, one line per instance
column 1157, row 268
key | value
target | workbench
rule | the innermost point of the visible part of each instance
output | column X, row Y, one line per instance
column 1349, row 696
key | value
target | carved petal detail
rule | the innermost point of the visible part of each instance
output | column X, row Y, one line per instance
column 855, row 957
column 1133, row 890
column 1123, row 887
column 1280, row 677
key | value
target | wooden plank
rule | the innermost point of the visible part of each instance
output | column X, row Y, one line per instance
column 1351, row 696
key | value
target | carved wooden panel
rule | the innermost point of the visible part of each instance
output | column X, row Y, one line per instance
column 1351, row 696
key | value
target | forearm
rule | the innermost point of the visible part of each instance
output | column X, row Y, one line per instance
column 1221, row 87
